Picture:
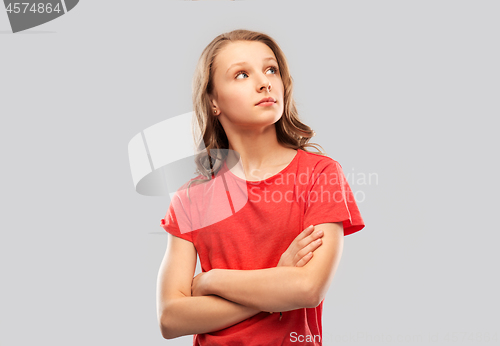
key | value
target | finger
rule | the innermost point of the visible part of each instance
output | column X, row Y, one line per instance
column 314, row 245
column 304, row 233
column 307, row 231
column 303, row 261
column 315, row 235
column 311, row 247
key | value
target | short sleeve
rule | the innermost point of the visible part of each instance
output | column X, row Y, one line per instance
column 330, row 199
column 177, row 221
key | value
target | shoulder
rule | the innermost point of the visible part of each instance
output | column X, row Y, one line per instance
column 191, row 186
column 318, row 161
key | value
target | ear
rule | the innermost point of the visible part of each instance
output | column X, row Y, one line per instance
column 215, row 106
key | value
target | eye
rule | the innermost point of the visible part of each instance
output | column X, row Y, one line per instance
column 240, row 72
column 274, row 68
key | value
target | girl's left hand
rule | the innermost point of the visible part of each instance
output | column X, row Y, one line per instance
column 198, row 286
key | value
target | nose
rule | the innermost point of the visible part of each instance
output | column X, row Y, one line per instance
column 266, row 84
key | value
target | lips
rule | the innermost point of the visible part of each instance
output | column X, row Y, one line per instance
column 266, row 99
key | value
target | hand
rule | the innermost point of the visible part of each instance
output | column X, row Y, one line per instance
column 199, row 284
column 300, row 250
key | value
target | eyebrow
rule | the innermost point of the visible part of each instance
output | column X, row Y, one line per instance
column 244, row 62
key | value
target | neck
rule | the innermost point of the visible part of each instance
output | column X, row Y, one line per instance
column 257, row 150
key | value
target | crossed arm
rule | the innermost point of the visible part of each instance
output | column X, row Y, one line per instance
column 220, row 298
column 279, row 288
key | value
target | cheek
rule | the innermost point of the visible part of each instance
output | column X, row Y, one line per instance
column 282, row 88
column 235, row 97
column 230, row 101
column 225, row 97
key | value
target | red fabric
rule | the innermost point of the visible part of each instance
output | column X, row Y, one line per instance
column 242, row 225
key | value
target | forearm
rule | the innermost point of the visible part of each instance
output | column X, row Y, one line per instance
column 271, row 289
column 202, row 314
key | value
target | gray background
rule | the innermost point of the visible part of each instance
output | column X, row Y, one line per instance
column 404, row 90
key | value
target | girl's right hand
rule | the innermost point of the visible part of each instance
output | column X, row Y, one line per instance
column 301, row 249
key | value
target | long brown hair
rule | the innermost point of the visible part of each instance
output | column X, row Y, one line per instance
column 290, row 131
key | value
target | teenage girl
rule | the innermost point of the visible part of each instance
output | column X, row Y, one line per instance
column 260, row 282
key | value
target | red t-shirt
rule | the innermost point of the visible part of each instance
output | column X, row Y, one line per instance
column 235, row 224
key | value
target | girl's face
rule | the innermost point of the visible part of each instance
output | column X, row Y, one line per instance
column 245, row 73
